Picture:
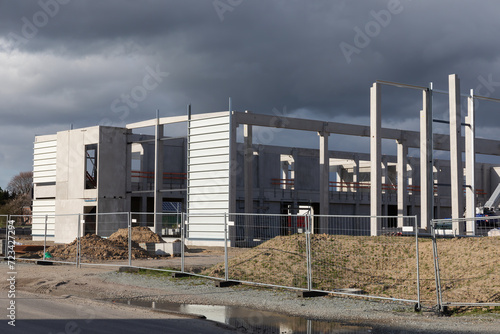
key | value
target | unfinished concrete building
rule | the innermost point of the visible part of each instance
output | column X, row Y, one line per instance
column 217, row 167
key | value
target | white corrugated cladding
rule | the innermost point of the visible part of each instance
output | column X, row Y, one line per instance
column 44, row 161
column 208, row 175
column 44, row 172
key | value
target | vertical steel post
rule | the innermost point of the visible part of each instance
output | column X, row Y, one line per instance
column 308, row 252
column 45, row 238
column 6, row 249
column 130, row 239
column 436, row 267
column 78, row 255
column 415, row 226
column 226, row 264
column 183, row 240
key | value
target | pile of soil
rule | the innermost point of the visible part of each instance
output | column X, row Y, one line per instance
column 381, row 266
column 139, row 234
column 93, row 247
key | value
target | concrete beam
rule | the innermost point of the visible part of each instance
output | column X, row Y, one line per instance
column 441, row 141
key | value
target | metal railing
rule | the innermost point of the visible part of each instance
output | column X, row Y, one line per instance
column 332, row 254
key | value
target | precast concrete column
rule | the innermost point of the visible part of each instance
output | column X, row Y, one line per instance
column 402, row 163
column 456, row 170
column 470, row 163
column 158, row 175
column 248, row 179
column 324, row 179
column 375, row 159
column 426, row 172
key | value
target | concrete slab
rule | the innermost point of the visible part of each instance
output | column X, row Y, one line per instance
column 308, row 294
column 225, row 284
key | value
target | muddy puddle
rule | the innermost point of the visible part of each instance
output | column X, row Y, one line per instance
column 253, row 321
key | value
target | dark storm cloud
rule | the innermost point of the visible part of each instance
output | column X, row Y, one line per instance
column 93, row 62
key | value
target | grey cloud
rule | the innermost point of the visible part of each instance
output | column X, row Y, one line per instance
column 262, row 54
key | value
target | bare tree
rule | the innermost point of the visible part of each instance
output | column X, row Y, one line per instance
column 21, row 184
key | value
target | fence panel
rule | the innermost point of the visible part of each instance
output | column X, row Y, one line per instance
column 268, row 249
column 467, row 269
column 205, row 236
column 345, row 259
column 53, row 237
column 105, row 237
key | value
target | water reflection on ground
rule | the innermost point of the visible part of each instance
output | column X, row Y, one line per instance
column 254, row 321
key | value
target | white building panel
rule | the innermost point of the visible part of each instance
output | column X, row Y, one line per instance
column 212, row 165
column 212, row 129
column 208, row 186
column 44, row 156
column 43, row 168
column 203, row 145
column 216, row 136
column 208, row 175
column 209, row 159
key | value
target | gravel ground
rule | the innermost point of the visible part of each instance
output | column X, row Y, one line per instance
column 105, row 283
column 383, row 317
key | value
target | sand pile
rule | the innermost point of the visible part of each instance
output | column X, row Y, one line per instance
column 139, row 234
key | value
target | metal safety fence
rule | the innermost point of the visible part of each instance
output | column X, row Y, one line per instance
column 333, row 254
column 347, row 259
column 466, row 266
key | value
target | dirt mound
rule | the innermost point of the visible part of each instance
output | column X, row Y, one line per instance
column 382, row 266
column 139, row 234
column 93, row 247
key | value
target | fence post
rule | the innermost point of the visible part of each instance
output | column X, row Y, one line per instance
column 226, row 264
column 436, row 267
column 5, row 250
column 44, row 238
column 78, row 250
column 183, row 239
column 308, row 252
column 130, row 239
column 418, row 307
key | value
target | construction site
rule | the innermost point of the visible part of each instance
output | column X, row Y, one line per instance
column 216, row 167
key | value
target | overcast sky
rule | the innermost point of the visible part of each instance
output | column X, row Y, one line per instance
column 115, row 62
